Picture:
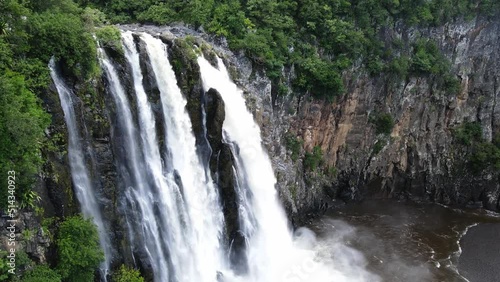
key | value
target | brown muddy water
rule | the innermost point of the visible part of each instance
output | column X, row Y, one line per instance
column 416, row 242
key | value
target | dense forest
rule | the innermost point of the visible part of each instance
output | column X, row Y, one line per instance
column 320, row 38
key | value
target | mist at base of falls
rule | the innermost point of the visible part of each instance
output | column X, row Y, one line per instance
column 313, row 259
column 404, row 241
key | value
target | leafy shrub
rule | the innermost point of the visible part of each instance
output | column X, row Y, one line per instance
column 228, row 19
column 399, row 68
column 319, row 77
column 314, row 159
column 159, row 13
column 21, row 133
column 109, row 36
column 41, row 273
column 384, row 123
column 450, row 84
column 378, row 146
column 468, row 133
column 93, row 18
column 4, row 267
column 65, row 37
column 484, row 155
column 78, row 249
column 293, row 144
column 428, row 59
column 126, row 274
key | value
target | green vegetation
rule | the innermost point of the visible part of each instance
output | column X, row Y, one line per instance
column 109, row 36
column 22, row 261
column 31, row 32
column 314, row 159
column 331, row 172
column 427, row 59
column 383, row 123
column 126, row 274
column 378, row 146
column 321, row 38
column 22, row 122
column 468, row 133
column 482, row 154
column 78, row 256
column 4, row 268
column 63, row 36
column 78, row 250
column 293, row 191
column 41, row 273
column 485, row 155
column 294, row 145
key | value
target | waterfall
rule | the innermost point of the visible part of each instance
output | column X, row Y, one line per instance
column 81, row 180
column 172, row 215
column 271, row 238
column 204, row 213
column 140, row 195
column 274, row 253
column 176, row 204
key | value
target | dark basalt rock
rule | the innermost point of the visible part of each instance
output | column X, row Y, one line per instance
column 187, row 73
column 222, row 165
column 215, row 115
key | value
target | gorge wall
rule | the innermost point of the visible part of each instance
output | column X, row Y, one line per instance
column 420, row 160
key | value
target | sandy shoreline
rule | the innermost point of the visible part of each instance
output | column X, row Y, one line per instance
column 480, row 259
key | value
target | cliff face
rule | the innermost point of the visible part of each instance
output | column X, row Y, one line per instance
column 420, row 160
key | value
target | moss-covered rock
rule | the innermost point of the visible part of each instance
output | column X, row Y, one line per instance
column 187, row 72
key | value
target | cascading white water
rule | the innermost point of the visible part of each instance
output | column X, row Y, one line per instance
column 181, row 222
column 204, row 213
column 179, row 225
column 141, row 195
column 273, row 253
column 81, row 180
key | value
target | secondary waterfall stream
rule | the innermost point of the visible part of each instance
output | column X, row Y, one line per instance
column 84, row 188
column 170, row 204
